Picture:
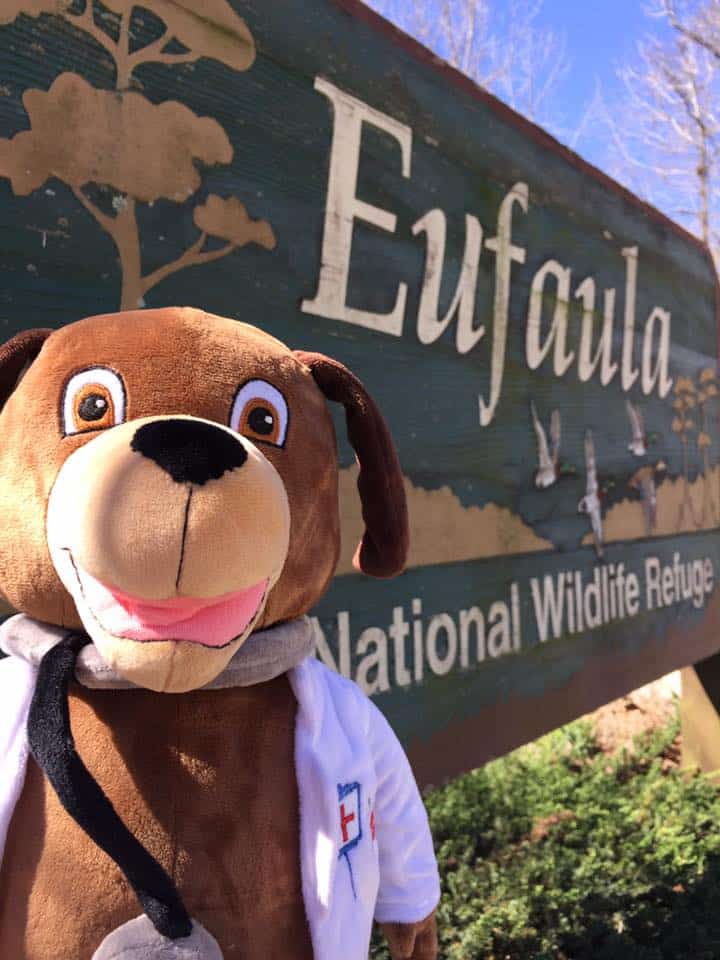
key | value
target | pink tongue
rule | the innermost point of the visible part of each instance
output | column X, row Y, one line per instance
column 213, row 622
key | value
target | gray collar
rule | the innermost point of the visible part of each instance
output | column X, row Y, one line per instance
column 264, row 655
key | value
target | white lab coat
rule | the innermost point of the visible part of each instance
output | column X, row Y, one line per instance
column 365, row 844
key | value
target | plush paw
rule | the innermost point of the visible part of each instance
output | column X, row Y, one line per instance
column 139, row 940
column 412, row 941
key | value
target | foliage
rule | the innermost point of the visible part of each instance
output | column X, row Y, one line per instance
column 228, row 218
column 84, row 135
column 33, row 8
column 558, row 852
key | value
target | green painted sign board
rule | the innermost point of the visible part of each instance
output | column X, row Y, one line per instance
column 543, row 345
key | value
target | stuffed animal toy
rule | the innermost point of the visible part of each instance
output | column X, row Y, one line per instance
column 168, row 488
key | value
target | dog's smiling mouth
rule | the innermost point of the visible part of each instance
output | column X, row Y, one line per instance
column 210, row 622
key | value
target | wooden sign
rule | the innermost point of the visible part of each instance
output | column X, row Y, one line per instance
column 543, row 345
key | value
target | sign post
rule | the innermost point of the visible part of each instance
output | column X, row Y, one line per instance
column 542, row 343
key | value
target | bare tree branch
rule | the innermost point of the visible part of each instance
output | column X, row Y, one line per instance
column 500, row 46
column 86, row 21
column 192, row 257
column 153, row 53
column 695, row 34
column 105, row 221
column 664, row 134
column 175, row 58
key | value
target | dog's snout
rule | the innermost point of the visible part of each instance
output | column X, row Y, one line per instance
column 190, row 451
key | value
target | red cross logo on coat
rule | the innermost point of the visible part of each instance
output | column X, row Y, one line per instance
column 346, row 818
column 350, row 823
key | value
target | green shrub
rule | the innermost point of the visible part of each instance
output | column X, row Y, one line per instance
column 559, row 852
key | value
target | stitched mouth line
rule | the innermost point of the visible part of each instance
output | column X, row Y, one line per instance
column 184, row 537
column 246, row 632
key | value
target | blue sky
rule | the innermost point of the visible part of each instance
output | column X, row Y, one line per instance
column 600, row 35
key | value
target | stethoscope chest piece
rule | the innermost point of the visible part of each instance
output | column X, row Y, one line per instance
column 139, row 940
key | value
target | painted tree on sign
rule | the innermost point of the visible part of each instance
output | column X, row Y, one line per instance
column 707, row 392
column 683, row 425
column 115, row 148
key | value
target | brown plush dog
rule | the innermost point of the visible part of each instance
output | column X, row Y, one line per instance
column 168, row 487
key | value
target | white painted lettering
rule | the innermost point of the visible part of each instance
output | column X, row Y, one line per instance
column 535, row 350
column 343, row 207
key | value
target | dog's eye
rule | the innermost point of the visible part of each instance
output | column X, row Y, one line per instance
column 93, row 406
column 259, row 412
column 93, row 400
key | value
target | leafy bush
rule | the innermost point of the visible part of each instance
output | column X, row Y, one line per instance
column 559, row 852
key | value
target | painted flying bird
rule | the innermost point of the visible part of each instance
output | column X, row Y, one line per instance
column 645, row 481
column 590, row 503
column 548, row 459
column 638, row 444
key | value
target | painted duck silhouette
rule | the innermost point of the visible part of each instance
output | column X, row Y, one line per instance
column 590, row 503
column 638, row 444
column 645, row 480
column 548, row 469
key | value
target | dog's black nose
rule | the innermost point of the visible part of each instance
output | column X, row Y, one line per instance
column 190, row 451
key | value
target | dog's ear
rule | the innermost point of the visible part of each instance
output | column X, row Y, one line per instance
column 382, row 552
column 16, row 356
